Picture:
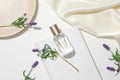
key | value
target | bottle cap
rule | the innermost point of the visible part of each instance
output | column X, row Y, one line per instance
column 55, row 30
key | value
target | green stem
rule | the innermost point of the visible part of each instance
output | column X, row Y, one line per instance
column 30, row 72
column 111, row 52
column 5, row 26
column 68, row 63
column 11, row 25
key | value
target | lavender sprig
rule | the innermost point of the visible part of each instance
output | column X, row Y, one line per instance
column 27, row 77
column 115, row 58
column 48, row 52
column 21, row 22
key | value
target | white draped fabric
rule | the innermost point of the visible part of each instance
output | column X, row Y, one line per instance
column 98, row 17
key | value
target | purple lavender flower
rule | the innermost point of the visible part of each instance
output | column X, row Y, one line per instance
column 111, row 69
column 35, row 50
column 106, row 46
column 27, row 76
column 32, row 23
column 35, row 64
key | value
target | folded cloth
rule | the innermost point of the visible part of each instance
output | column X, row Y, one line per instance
column 98, row 17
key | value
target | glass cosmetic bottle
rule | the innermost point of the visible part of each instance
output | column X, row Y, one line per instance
column 62, row 42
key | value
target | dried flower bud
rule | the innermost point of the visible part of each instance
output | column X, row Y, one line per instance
column 106, row 46
column 111, row 69
column 25, row 14
column 35, row 50
column 35, row 64
column 32, row 23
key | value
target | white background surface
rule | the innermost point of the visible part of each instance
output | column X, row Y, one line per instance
column 101, row 55
column 16, row 54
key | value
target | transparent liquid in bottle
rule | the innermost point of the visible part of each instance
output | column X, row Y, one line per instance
column 64, row 45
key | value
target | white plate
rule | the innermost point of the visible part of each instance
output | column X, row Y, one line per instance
column 10, row 10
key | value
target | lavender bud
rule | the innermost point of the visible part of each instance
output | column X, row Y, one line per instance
column 32, row 23
column 106, row 46
column 35, row 50
column 25, row 14
column 111, row 69
column 35, row 64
